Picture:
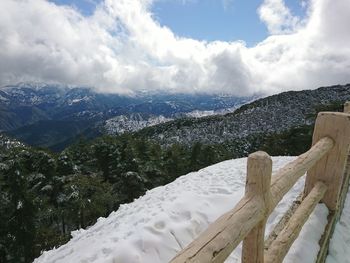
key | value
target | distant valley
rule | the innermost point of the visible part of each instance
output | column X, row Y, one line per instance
column 54, row 116
column 71, row 188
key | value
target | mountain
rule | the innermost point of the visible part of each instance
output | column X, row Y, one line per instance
column 137, row 121
column 27, row 110
column 132, row 122
column 57, row 193
column 30, row 102
column 56, row 116
column 55, row 134
column 267, row 116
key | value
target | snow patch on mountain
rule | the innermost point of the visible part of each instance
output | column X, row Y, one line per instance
column 155, row 227
column 132, row 122
column 199, row 114
column 9, row 143
column 2, row 98
column 205, row 113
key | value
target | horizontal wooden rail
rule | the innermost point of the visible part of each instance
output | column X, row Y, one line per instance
column 281, row 245
column 325, row 163
column 330, row 169
column 343, row 146
column 286, row 177
column 219, row 240
column 221, row 237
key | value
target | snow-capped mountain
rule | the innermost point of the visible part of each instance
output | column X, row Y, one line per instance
column 26, row 107
column 273, row 114
column 132, row 122
column 67, row 102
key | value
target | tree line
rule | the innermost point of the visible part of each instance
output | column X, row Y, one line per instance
column 44, row 196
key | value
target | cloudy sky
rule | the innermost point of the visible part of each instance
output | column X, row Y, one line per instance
column 218, row 46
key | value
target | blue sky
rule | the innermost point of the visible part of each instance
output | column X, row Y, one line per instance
column 210, row 20
column 85, row 6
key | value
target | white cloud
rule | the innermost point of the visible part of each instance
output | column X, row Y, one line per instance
column 122, row 48
column 277, row 17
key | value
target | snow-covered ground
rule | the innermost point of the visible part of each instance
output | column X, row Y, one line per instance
column 156, row 226
column 339, row 248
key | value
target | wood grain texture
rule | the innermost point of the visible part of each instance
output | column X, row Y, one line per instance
column 258, row 182
column 347, row 107
column 286, row 177
column 331, row 168
column 283, row 221
column 217, row 242
column 326, row 164
column 281, row 245
column 334, row 215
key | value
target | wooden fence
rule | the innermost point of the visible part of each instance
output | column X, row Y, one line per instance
column 326, row 181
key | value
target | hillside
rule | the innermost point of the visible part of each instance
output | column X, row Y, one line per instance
column 57, row 116
column 153, row 228
column 49, row 133
column 61, row 192
column 25, row 106
column 132, row 122
column 44, row 195
column 254, row 122
column 7, row 143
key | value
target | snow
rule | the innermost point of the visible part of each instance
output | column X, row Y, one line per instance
column 77, row 100
column 153, row 228
column 205, row 113
column 339, row 248
column 8, row 143
column 19, row 205
column 199, row 114
column 122, row 123
column 306, row 247
column 3, row 98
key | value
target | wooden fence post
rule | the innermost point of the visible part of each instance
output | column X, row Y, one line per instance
column 347, row 107
column 259, row 169
column 346, row 178
column 330, row 169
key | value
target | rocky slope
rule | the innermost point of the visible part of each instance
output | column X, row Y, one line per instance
column 273, row 114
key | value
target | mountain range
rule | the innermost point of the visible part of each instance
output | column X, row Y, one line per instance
column 53, row 116
column 55, row 193
column 249, row 124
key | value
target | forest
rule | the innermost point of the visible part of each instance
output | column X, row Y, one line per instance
column 45, row 195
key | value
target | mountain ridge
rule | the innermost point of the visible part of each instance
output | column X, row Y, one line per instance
column 22, row 106
column 272, row 114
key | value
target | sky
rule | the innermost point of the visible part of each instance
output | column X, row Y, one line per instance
column 237, row 47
